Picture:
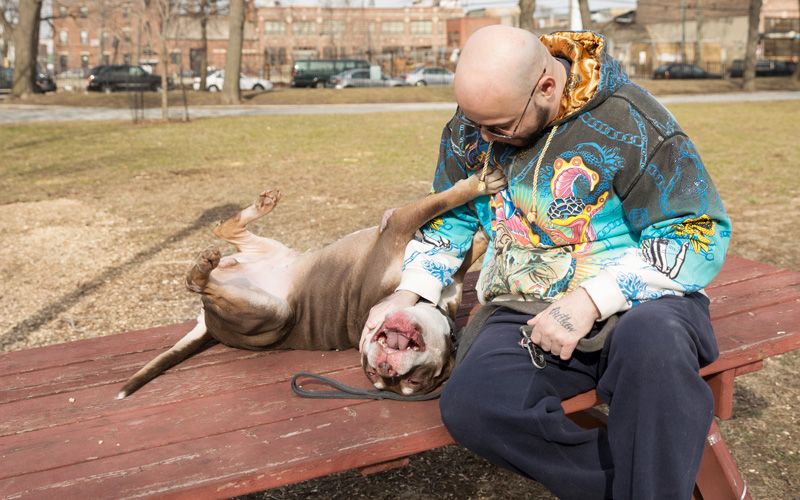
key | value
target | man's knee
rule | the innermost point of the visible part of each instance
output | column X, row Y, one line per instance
column 652, row 328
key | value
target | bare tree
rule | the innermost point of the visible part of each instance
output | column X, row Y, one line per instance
column 9, row 13
column 526, row 10
column 26, row 47
column 167, row 11
column 796, row 76
column 754, row 16
column 203, row 13
column 586, row 14
column 231, row 93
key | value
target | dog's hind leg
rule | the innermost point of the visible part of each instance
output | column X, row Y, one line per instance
column 197, row 278
column 234, row 230
column 193, row 342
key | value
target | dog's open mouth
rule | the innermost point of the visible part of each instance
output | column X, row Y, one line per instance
column 398, row 333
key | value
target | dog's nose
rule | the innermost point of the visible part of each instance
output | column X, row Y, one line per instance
column 386, row 369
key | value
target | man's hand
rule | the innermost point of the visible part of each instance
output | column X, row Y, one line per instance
column 495, row 181
column 394, row 302
column 558, row 328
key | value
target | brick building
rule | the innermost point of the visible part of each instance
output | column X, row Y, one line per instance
column 709, row 33
column 91, row 32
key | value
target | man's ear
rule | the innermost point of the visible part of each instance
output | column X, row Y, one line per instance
column 548, row 86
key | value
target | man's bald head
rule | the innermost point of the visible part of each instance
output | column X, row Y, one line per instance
column 496, row 73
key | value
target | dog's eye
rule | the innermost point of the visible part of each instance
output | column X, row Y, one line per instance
column 413, row 382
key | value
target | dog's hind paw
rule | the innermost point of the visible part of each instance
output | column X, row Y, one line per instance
column 208, row 259
column 267, row 200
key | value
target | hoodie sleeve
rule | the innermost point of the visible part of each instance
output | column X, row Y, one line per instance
column 682, row 228
column 438, row 248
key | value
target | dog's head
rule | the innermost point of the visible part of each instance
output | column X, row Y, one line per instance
column 411, row 352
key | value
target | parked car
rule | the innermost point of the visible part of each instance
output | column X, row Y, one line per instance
column 110, row 78
column 216, row 79
column 676, row 71
column 429, row 75
column 42, row 84
column 764, row 67
column 317, row 72
column 361, row 78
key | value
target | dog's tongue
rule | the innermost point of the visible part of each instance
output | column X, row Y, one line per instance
column 396, row 340
column 396, row 325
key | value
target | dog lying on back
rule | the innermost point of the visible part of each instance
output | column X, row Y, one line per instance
column 268, row 296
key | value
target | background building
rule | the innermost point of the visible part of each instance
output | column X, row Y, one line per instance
column 91, row 32
column 710, row 33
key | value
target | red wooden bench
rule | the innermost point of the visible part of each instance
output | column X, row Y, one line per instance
column 226, row 422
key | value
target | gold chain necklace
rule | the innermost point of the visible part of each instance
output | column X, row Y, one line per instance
column 539, row 164
column 482, row 182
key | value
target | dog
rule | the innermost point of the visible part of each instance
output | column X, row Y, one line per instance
column 268, row 296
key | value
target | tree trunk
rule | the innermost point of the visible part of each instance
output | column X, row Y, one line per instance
column 164, row 65
column 796, row 76
column 586, row 14
column 698, row 37
column 526, row 9
column 203, row 43
column 233, row 58
column 26, row 47
column 749, row 80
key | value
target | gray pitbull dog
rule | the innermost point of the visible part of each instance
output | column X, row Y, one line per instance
column 268, row 296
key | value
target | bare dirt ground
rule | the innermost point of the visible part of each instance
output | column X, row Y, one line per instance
column 94, row 244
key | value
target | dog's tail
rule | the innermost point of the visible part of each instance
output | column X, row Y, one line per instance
column 192, row 343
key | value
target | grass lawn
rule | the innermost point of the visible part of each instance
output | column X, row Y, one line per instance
column 101, row 220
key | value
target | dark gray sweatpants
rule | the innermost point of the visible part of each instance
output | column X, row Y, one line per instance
column 501, row 407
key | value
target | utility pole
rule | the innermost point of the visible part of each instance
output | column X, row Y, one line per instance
column 575, row 23
column 683, row 31
column 698, row 35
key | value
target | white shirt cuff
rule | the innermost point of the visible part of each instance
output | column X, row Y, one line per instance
column 605, row 294
column 421, row 283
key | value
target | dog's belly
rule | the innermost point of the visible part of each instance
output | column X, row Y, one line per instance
column 256, row 272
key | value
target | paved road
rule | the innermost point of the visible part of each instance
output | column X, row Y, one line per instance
column 22, row 113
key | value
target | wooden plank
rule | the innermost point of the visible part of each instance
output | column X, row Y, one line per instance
column 738, row 269
column 260, row 457
column 101, row 371
column 95, row 348
column 142, row 428
column 754, row 335
column 755, row 293
column 175, row 385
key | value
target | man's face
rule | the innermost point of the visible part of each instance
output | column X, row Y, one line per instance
column 529, row 130
column 496, row 123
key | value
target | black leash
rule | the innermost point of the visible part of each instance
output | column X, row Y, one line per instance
column 344, row 391
column 463, row 342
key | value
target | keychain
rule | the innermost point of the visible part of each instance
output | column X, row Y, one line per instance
column 535, row 352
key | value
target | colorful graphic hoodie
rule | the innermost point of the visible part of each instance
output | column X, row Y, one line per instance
column 612, row 197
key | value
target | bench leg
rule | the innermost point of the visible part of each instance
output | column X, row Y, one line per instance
column 719, row 478
column 722, row 387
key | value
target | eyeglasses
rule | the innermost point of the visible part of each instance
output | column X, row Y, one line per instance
column 494, row 131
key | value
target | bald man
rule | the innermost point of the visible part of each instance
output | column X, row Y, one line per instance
column 609, row 219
